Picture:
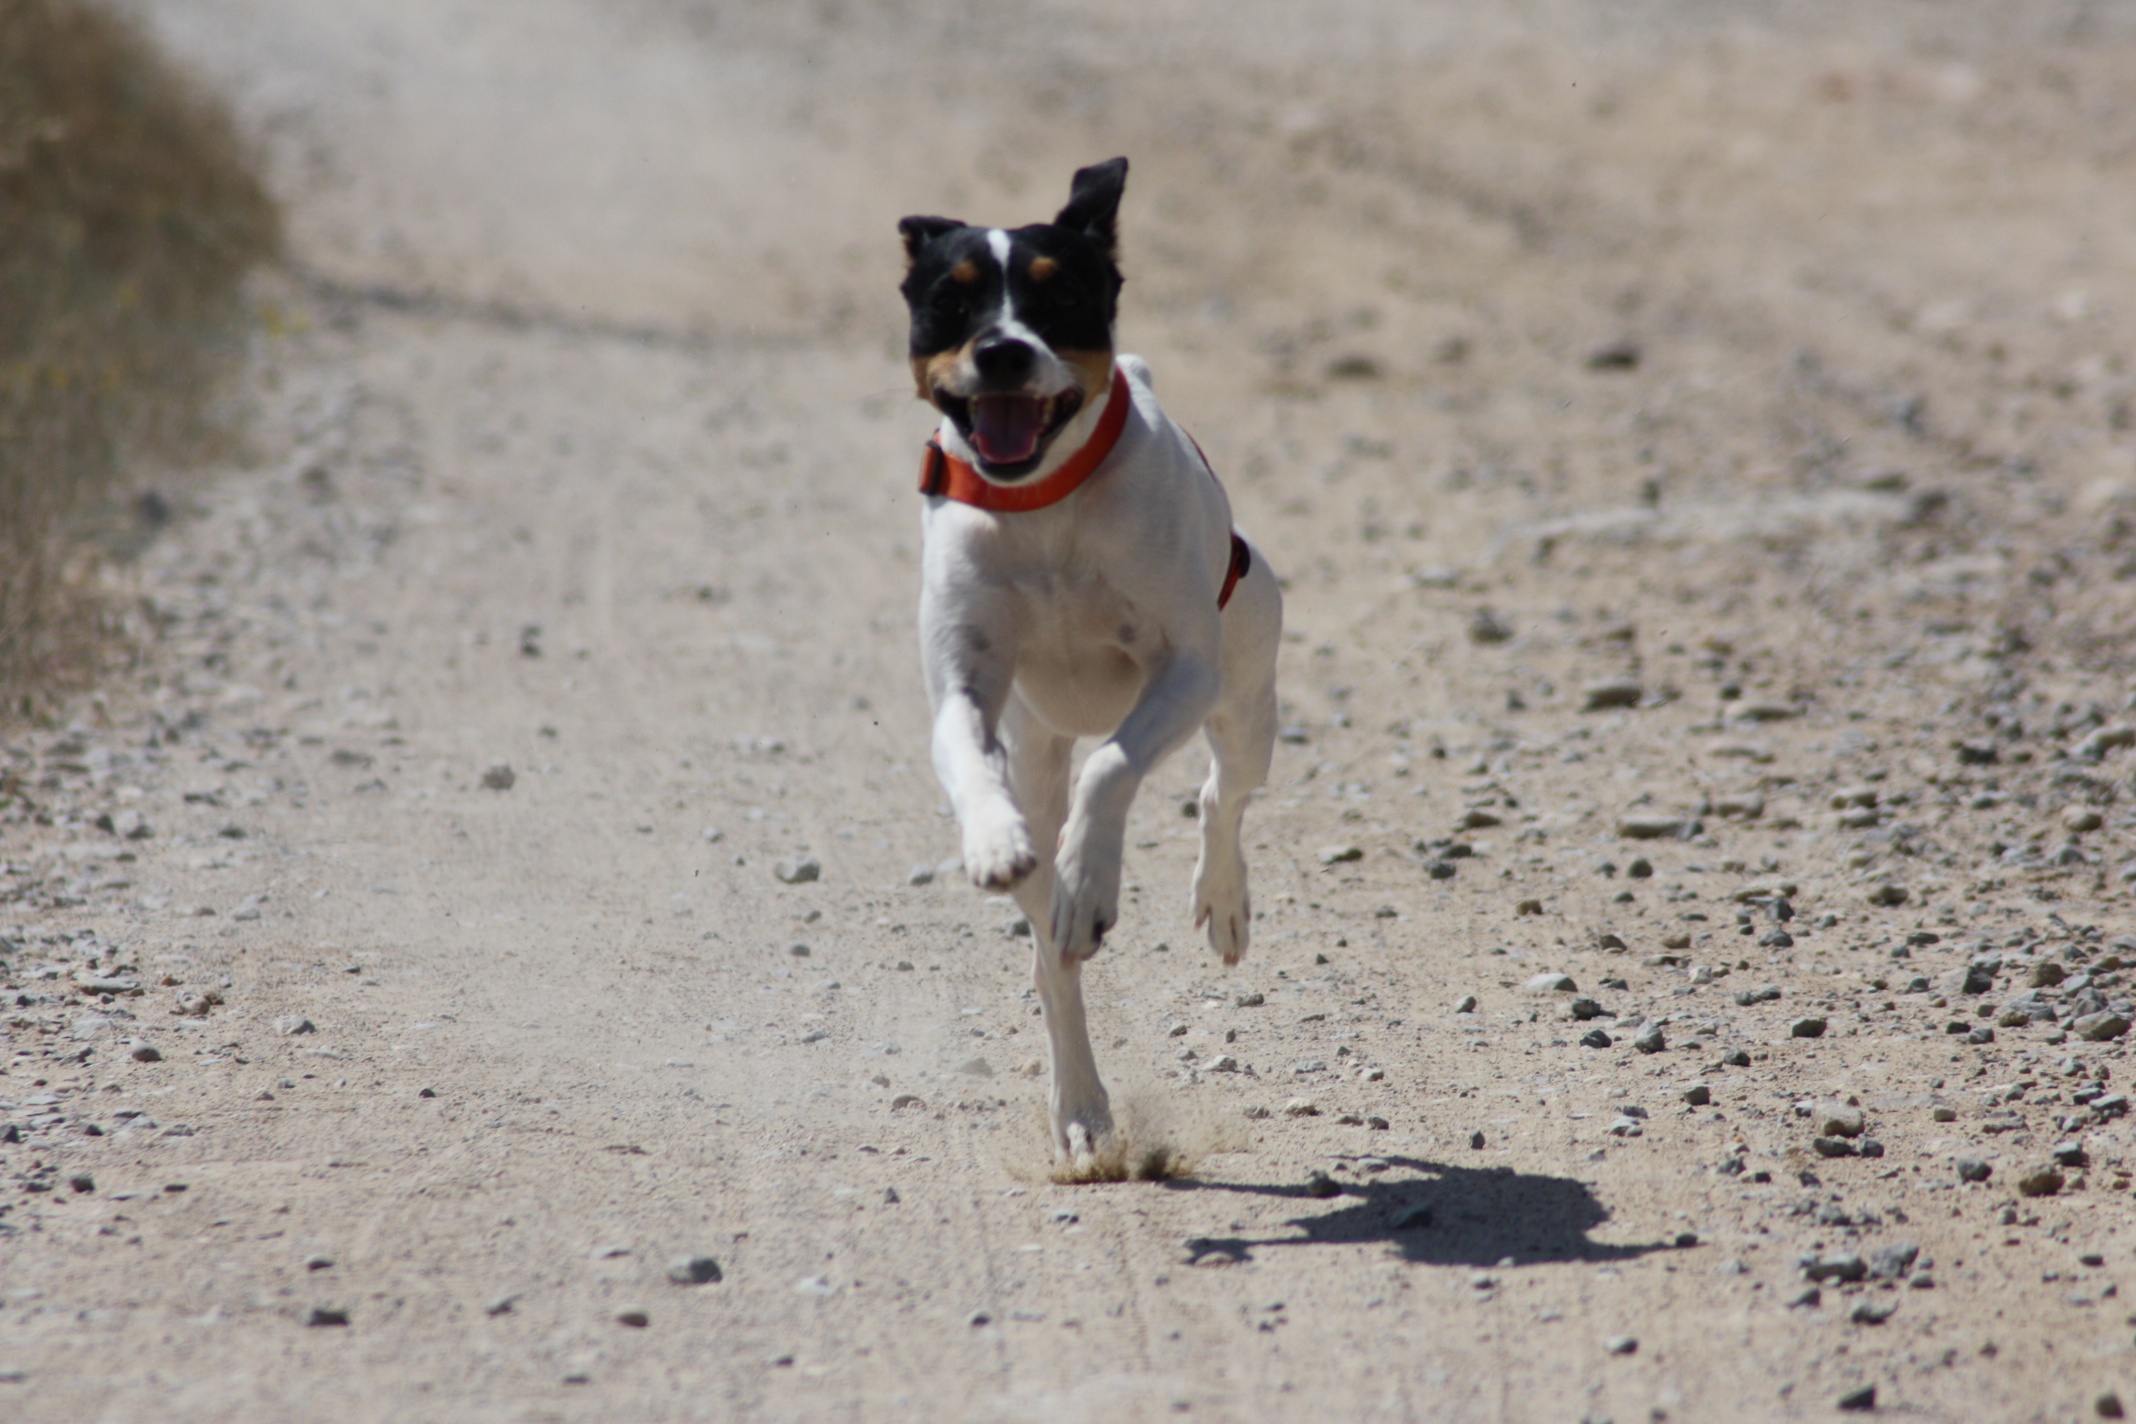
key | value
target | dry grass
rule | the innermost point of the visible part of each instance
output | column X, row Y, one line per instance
column 129, row 213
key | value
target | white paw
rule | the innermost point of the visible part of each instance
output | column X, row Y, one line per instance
column 1077, row 1132
column 1222, row 904
column 997, row 851
column 1086, row 895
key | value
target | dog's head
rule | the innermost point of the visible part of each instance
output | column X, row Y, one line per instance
column 1012, row 329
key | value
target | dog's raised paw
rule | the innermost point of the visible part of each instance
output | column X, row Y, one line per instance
column 1221, row 904
column 999, row 857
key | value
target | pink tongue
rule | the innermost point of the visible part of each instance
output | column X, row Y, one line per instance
column 1006, row 428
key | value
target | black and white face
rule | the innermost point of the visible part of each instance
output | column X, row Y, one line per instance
column 1012, row 327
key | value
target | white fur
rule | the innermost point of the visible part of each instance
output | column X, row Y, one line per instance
column 1095, row 617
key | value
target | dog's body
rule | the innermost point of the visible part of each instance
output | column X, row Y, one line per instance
column 1113, row 605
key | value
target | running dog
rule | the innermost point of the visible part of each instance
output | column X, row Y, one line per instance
column 1081, row 578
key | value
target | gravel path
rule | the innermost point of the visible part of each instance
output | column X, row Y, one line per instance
column 1696, row 940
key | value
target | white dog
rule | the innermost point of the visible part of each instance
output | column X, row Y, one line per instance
column 1081, row 579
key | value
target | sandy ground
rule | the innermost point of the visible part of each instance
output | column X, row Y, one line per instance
column 1757, row 373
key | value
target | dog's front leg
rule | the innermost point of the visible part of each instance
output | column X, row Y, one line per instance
column 969, row 664
column 1086, row 890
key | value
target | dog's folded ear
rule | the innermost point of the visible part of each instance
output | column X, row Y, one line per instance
column 919, row 231
column 1094, row 202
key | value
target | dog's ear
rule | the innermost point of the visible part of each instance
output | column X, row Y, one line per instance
column 1094, row 202
column 918, row 232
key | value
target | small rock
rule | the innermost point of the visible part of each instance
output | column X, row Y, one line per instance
column 1250, row 1001
column 2079, row 819
column 1301, row 1107
column 499, row 776
column 146, row 1053
column 1806, row 1028
column 694, row 1270
column 1888, row 1263
column 1888, row 894
column 1808, row 1298
column 1415, row 1219
column 292, row 1024
column 1971, row 1169
column 1552, row 983
column 2108, row 1406
column 920, row 875
column 1650, row 1040
column 1466, row 1004
column 1621, row 1345
column 1583, row 1010
column 978, row 1318
column 1871, row 1311
column 1602, row 696
column 502, row 1305
column 1626, row 1127
column 976, row 1068
column 1595, row 1038
column 906, row 1100
column 327, row 1315
column 1528, row 907
column 82, row 1182
column 1856, row 1401
column 1836, row 1266
column 1320, row 1184
column 2040, row 1182
column 1832, row 1147
column 1698, row 1095
column 1341, row 854
column 1621, row 355
column 1488, row 628
column 2097, row 744
column 2100, row 1027
column 797, row 869
column 633, row 1317
column 1658, row 827
column 1967, row 979
column 1839, row 1120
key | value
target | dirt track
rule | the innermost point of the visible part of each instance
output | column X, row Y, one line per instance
column 1775, row 364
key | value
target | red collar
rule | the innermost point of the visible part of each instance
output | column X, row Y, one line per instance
column 942, row 473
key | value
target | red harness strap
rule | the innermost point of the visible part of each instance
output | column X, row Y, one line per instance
column 943, row 474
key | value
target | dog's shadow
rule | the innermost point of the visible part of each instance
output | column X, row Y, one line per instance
column 1433, row 1213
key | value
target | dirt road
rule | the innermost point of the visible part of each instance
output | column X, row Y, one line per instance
column 1708, row 426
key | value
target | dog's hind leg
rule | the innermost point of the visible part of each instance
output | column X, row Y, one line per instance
column 1038, row 764
column 1242, row 736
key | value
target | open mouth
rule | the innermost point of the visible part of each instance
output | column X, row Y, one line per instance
column 1010, row 432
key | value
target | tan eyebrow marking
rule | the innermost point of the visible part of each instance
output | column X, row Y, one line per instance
column 966, row 272
column 1042, row 268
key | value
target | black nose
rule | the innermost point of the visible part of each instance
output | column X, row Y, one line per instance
column 1004, row 358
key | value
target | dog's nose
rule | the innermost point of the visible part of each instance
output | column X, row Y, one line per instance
column 1004, row 358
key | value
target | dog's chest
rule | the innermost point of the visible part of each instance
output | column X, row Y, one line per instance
column 1083, row 649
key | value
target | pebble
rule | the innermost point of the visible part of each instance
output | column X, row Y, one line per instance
column 1858, row 1400
column 1552, row 983
column 499, row 776
column 2040, row 1182
column 694, row 1270
column 1583, row 1010
column 633, row 1317
column 1621, row 1345
column 2108, row 1406
column 1839, row 1120
column 1971, row 1169
column 1595, row 1038
column 1602, row 696
column 1340, row 854
column 1835, row 1266
column 1889, row 1263
column 1657, row 827
column 2079, row 819
column 920, row 875
column 1888, row 894
column 502, row 1305
column 1487, row 628
column 1476, row 1141
column 1650, row 1040
column 2100, row 1027
column 1301, row 1107
column 1320, row 1184
column 1466, row 1004
column 797, row 869
column 1698, row 1095
column 327, row 1315
column 1806, row 1028
column 290, row 1025
column 147, row 1053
